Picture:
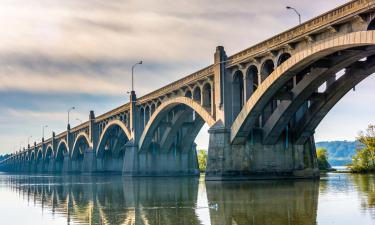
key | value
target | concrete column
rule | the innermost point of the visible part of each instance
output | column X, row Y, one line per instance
column 67, row 164
column 89, row 161
column 218, row 152
column 54, row 144
column 93, row 130
column 133, row 117
column 219, row 83
column 51, row 166
column 70, row 140
column 130, row 166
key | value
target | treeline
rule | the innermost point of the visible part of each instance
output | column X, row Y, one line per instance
column 322, row 157
column 364, row 159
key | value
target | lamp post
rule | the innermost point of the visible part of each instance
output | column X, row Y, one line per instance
column 45, row 126
column 70, row 109
column 21, row 142
column 28, row 140
column 138, row 63
column 295, row 10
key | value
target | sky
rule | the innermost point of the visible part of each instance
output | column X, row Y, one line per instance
column 56, row 54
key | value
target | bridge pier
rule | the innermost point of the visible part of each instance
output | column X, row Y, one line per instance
column 67, row 164
column 178, row 162
column 254, row 160
column 50, row 167
column 89, row 161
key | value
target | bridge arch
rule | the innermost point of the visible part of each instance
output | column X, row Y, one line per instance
column 282, row 58
column 163, row 110
column 62, row 149
column 39, row 155
column 188, row 93
column 244, row 122
column 61, row 152
column 371, row 25
column 111, row 147
column 197, row 94
column 252, row 80
column 353, row 75
column 207, row 96
column 82, row 140
column 267, row 67
column 32, row 156
column 81, row 144
column 237, row 93
column 49, row 153
column 112, row 124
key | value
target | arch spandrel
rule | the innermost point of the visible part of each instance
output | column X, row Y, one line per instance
column 165, row 107
column 110, row 125
column 48, row 148
column 62, row 144
column 80, row 136
column 319, row 109
column 286, row 70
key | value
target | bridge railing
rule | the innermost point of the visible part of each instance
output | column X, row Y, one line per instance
column 310, row 26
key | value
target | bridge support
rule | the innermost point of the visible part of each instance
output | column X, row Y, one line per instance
column 178, row 162
column 254, row 160
column 88, row 162
column 130, row 162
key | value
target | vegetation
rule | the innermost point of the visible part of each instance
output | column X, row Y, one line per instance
column 202, row 160
column 323, row 159
column 364, row 159
column 340, row 153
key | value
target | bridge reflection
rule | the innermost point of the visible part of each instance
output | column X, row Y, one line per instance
column 163, row 201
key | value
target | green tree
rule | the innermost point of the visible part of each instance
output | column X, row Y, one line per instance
column 364, row 159
column 322, row 159
column 202, row 160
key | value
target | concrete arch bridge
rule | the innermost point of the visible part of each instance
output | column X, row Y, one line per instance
column 262, row 106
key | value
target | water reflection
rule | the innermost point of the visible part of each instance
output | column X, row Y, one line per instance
column 264, row 202
column 366, row 187
column 163, row 201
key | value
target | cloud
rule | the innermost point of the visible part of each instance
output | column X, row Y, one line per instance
column 54, row 54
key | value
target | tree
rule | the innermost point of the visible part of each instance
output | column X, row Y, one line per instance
column 364, row 159
column 202, row 160
column 323, row 159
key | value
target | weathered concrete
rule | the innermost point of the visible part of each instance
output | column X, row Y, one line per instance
column 254, row 160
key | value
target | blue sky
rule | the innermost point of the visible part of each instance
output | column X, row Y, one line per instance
column 57, row 54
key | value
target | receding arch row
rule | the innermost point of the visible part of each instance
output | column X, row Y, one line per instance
column 282, row 74
column 246, row 81
column 62, row 148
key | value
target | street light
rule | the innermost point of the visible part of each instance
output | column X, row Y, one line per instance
column 45, row 126
column 70, row 109
column 138, row 63
column 79, row 120
column 21, row 142
column 295, row 10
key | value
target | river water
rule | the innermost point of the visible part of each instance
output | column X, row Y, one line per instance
column 335, row 199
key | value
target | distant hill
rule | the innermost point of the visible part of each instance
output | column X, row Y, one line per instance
column 339, row 152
